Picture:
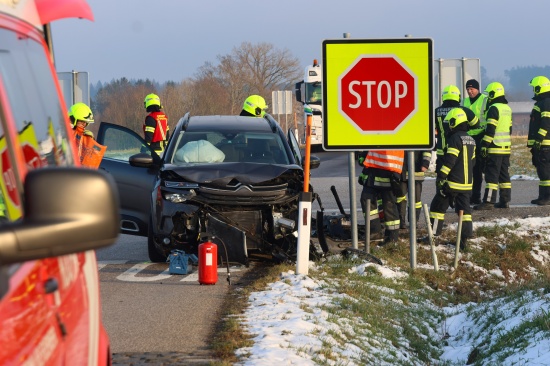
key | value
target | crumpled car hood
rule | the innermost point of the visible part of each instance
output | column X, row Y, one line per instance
column 222, row 174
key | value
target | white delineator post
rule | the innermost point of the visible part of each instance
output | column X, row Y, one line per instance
column 304, row 210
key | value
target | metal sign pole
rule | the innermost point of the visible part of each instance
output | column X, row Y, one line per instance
column 412, row 208
column 304, row 211
column 352, row 193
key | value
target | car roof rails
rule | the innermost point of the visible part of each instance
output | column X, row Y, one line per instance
column 272, row 123
column 184, row 121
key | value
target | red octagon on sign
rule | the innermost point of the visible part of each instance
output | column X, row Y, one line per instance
column 378, row 94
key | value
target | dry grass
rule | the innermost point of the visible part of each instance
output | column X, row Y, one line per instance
column 500, row 260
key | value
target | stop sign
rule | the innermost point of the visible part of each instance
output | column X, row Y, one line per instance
column 377, row 94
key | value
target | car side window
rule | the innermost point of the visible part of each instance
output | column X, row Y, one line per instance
column 121, row 144
column 33, row 105
column 7, row 180
column 33, row 96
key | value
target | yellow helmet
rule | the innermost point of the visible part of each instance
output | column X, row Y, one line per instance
column 540, row 84
column 494, row 90
column 451, row 92
column 455, row 117
column 80, row 112
column 255, row 105
column 151, row 99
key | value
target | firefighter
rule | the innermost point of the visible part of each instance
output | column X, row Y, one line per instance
column 476, row 101
column 254, row 106
column 451, row 99
column 380, row 177
column 81, row 116
column 495, row 149
column 155, row 128
column 539, row 138
column 454, row 179
column 422, row 161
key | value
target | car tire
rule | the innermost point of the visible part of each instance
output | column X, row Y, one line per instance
column 154, row 254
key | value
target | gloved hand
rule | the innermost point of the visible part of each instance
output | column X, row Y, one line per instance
column 361, row 155
column 536, row 145
column 484, row 151
column 363, row 177
column 440, row 186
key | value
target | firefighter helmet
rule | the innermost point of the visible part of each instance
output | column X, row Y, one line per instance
column 455, row 117
column 451, row 92
column 494, row 90
column 540, row 84
column 80, row 112
column 255, row 105
column 151, row 99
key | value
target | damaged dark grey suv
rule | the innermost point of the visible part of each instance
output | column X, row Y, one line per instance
column 236, row 179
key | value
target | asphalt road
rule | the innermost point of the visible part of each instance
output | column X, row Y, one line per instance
column 153, row 317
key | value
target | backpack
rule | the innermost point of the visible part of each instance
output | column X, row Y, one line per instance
column 178, row 260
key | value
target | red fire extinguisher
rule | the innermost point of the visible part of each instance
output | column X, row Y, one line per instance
column 208, row 263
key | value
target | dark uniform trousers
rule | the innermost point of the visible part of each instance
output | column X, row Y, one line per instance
column 373, row 190
column 497, row 178
column 541, row 161
column 461, row 201
column 402, row 200
column 478, row 170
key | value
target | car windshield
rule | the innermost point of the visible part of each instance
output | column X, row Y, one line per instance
column 228, row 147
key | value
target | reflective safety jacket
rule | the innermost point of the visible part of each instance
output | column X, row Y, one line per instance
column 390, row 160
column 499, row 128
column 156, row 130
column 458, row 162
column 478, row 106
column 442, row 128
column 539, row 123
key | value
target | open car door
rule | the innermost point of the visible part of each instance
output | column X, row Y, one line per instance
column 135, row 183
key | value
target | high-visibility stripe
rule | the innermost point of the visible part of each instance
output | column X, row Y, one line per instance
column 505, row 185
column 459, row 186
column 452, row 150
column 437, row 215
column 391, row 160
column 544, row 183
column 445, row 169
column 466, row 218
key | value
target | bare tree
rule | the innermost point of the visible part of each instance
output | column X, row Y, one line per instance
column 215, row 88
column 257, row 69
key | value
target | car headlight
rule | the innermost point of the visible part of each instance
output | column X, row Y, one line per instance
column 179, row 197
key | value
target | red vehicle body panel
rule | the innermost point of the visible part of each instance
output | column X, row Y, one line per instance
column 51, row 314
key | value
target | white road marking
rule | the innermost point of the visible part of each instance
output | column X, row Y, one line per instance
column 194, row 276
column 102, row 264
column 130, row 274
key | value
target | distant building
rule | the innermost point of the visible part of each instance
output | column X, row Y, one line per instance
column 520, row 117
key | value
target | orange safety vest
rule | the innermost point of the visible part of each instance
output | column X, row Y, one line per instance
column 391, row 160
column 162, row 126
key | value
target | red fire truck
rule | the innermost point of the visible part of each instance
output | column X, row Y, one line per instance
column 53, row 213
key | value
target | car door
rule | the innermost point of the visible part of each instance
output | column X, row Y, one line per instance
column 135, row 184
column 294, row 146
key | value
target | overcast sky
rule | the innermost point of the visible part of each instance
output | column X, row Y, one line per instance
column 168, row 40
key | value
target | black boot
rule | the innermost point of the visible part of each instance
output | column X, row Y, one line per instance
column 502, row 204
column 391, row 238
column 484, row 206
column 463, row 243
column 544, row 201
column 475, row 200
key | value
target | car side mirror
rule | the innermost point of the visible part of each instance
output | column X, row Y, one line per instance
column 314, row 162
column 67, row 210
column 142, row 160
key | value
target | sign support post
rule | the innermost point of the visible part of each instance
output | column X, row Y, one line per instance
column 304, row 211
